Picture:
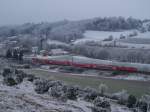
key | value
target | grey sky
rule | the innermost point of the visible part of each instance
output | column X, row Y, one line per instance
column 21, row 11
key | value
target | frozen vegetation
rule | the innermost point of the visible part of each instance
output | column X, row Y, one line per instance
column 49, row 95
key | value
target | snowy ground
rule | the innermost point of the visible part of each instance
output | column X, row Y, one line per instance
column 142, row 40
column 101, row 35
column 133, row 45
column 22, row 98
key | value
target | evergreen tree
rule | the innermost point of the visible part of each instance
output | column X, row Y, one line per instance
column 8, row 54
column 131, row 101
column 21, row 55
column 15, row 54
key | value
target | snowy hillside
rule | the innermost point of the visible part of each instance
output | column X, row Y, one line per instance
column 22, row 98
column 141, row 40
column 101, row 35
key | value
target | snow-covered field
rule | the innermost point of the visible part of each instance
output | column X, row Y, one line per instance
column 133, row 45
column 143, row 35
column 142, row 40
column 101, row 35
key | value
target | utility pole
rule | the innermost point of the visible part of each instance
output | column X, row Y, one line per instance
column 115, row 41
column 41, row 43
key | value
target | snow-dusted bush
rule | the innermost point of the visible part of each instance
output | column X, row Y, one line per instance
column 31, row 77
column 133, row 34
column 144, row 103
column 53, row 83
column 122, row 36
column 9, row 81
column 121, row 96
column 64, row 92
column 6, row 72
column 56, row 91
column 19, row 75
column 90, row 94
column 110, row 38
column 131, row 101
column 142, row 106
column 103, row 89
column 41, row 86
column 101, row 105
column 59, row 92
column 26, row 66
column 72, row 92
column 142, row 29
column 13, row 77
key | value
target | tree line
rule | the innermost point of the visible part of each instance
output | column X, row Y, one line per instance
column 66, row 31
column 119, row 54
column 15, row 54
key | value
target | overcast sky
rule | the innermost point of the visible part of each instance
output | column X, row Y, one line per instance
column 22, row 11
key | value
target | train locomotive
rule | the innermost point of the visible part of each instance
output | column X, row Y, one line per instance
column 85, row 62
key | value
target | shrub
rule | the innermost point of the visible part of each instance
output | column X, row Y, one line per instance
column 6, row 72
column 131, row 101
column 110, row 38
column 142, row 30
column 144, row 103
column 142, row 106
column 101, row 105
column 122, row 36
column 13, row 77
column 122, row 97
column 26, row 66
column 103, row 89
column 30, row 77
column 54, row 83
column 9, row 81
column 19, row 78
column 18, row 75
column 90, row 94
column 72, row 93
column 56, row 91
column 114, row 73
column 41, row 86
column 8, row 54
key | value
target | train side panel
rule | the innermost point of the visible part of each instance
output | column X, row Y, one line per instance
column 94, row 64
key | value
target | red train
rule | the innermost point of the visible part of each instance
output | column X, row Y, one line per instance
column 84, row 62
